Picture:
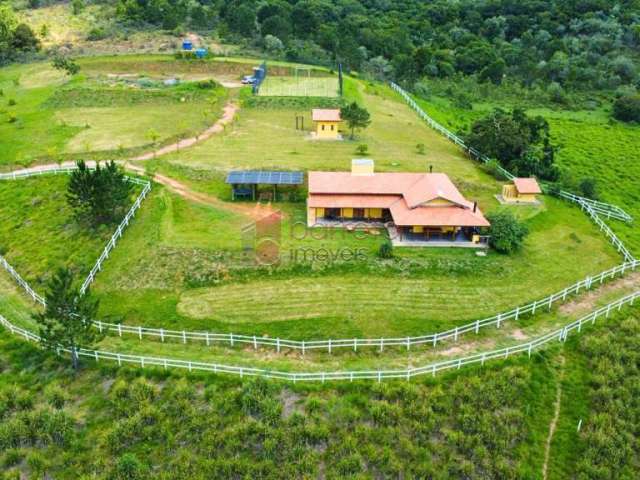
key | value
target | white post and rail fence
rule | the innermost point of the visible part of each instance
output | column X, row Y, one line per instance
column 605, row 209
column 558, row 335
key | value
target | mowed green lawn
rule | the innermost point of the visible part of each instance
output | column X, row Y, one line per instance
column 267, row 139
column 38, row 231
column 178, row 267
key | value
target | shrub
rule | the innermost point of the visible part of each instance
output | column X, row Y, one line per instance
column 56, row 396
column 421, row 149
column 67, row 64
column 507, row 233
column 96, row 33
column 11, row 102
column 128, row 468
column 627, row 108
column 362, row 149
column 207, row 84
column 386, row 250
column 589, row 188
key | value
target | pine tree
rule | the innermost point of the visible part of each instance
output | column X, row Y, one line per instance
column 357, row 117
column 98, row 195
column 67, row 319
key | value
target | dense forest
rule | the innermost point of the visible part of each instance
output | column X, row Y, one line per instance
column 575, row 43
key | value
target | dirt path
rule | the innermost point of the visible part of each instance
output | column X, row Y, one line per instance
column 589, row 300
column 228, row 114
column 252, row 211
column 554, row 421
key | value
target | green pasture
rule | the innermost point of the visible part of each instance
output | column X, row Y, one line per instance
column 590, row 145
column 38, row 231
column 267, row 138
column 181, row 265
column 109, row 129
column 45, row 116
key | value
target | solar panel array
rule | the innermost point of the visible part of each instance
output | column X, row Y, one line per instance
column 272, row 178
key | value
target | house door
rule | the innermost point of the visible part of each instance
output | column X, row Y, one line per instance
column 331, row 213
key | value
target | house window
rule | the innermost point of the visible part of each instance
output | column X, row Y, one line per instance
column 332, row 128
column 322, row 127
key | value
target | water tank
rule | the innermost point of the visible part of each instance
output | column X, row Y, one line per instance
column 201, row 52
column 187, row 45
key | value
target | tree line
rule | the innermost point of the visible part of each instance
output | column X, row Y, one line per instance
column 576, row 44
column 16, row 38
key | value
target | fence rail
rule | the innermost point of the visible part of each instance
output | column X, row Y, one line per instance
column 430, row 369
column 110, row 244
column 354, row 343
column 605, row 209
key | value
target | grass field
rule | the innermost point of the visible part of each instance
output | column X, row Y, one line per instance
column 104, row 128
column 300, row 86
column 589, row 145
column 38, row 232
column 45, row 116
column 181, row 273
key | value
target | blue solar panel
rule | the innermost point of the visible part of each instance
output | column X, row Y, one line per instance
column 265, row 177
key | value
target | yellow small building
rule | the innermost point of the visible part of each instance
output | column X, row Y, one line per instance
column 326, row 123
column 523, row 190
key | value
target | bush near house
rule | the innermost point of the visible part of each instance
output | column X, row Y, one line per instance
column 507, row 232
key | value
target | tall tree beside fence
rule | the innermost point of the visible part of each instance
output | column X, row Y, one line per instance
column 67, row 320
column 99, row 195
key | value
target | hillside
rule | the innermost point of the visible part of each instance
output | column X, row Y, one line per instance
column 316, row 239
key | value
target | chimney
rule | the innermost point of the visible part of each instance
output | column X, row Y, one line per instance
column 475, row 206
column 362, row 166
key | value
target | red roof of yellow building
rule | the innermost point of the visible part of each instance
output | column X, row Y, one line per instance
column 527, row 185
column 325, row 115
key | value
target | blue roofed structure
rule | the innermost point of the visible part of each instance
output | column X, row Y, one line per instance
column 244, row 183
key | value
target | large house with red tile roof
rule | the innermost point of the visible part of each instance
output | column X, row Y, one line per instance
column 421, row 206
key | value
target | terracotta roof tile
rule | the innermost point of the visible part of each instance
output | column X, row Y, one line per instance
column 527, row 185
column 410, row 192
column 325, row 115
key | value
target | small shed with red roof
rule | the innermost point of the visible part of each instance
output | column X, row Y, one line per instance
column 522, row 190
column 326, row 123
